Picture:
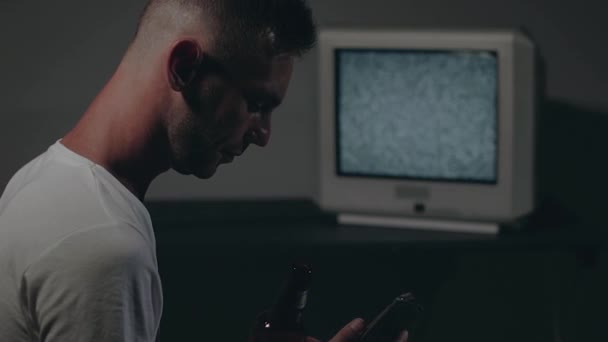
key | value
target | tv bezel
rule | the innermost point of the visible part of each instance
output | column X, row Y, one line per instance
column 510, row 197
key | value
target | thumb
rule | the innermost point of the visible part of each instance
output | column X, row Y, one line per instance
column 350, row 332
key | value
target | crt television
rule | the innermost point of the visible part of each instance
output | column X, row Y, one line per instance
column 427, row 128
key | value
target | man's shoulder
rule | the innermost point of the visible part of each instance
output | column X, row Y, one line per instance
column 49, row 206
column 46, row 179
column 57, row 207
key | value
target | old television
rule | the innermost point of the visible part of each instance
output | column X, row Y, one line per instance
column 427, row 129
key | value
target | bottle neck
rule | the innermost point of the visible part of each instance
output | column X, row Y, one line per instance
column 285, row 316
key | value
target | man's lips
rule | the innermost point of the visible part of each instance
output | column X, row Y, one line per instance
column 228, row 156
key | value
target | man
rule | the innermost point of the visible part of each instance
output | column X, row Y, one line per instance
column 195, row 88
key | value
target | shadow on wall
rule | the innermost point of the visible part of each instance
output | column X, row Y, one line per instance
column 572, row 161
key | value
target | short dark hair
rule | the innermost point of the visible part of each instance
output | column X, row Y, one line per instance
column 243, row 27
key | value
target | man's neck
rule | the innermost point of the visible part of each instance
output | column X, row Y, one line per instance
column 122, row 131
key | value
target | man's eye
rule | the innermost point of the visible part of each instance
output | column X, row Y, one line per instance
column 257, row 107
column 253, row 107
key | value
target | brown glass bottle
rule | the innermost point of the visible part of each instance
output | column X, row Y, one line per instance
column 283, row 322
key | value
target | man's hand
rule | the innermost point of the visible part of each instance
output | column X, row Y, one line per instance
column 352, row 331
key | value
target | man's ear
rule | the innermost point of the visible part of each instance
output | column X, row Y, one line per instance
column 184, row 61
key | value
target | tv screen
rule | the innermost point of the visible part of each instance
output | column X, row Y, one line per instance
column 416, row 114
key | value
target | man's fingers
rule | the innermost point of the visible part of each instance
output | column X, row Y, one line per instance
column 403, row 336
column 311, row 339
column 350, row 332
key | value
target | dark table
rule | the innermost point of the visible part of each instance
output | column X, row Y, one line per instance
column 222, row 262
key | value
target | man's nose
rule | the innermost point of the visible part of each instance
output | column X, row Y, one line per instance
column 260, row 131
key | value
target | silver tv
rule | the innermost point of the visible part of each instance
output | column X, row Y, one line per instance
column 427, row 128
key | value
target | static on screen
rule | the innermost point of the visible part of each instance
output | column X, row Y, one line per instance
column 417, row 114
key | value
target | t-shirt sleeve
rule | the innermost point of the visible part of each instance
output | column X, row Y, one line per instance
column 101, row 285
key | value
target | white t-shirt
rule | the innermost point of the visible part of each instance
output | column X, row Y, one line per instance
column 77, row 255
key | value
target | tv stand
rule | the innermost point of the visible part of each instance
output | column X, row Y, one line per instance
column 419, row 223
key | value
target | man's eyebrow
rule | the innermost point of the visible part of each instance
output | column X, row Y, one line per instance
column 269, row 96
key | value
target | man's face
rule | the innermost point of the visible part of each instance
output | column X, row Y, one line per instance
column 224, row 112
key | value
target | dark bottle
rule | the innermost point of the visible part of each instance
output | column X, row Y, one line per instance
column 283, row 321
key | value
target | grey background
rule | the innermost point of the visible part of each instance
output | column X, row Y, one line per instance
column 55, row 56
